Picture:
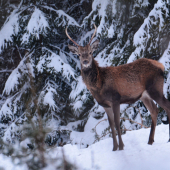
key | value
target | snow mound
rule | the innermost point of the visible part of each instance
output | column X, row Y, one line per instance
column 137, row 154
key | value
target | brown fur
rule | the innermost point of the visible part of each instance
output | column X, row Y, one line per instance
column 157, row 64
column 128, row 80
column 111, row 86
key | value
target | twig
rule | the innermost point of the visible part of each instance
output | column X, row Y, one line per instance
column 122, row 119
column 101, row 137
column 80, row 142
column 19, row 52
column 6, row 71
column 134, row 122
column 107, row 134
column 122, row 129
column 140, row 115
column 100, row 122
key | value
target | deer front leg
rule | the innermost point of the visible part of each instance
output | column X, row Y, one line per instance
column 110, row 115
column 116, row 111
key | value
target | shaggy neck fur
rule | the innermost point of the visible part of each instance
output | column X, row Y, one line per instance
column 91, row 75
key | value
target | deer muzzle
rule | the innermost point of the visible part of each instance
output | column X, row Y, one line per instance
column 85, row 62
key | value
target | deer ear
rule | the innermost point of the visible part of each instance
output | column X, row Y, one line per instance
column 94, row 46
column 73, row 49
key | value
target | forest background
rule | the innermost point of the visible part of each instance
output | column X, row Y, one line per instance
column 40, row 79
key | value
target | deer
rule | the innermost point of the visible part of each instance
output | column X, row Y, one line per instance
column 142, row 79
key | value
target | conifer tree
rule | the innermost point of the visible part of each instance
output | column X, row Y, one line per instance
column 33, row 35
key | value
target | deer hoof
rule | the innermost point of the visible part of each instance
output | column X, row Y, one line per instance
column 120, row 147
column 115, row 148
column 150, row 141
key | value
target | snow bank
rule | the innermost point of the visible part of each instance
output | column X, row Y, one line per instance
column 7, row 164
column 137, row 154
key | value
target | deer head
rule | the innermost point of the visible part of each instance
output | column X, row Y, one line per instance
column 85, row 53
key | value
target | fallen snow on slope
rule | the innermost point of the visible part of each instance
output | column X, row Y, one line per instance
column 137, row 154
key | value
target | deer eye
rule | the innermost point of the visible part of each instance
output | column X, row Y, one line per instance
column 90, row 52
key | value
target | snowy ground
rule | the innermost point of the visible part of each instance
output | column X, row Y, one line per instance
column 137, row 154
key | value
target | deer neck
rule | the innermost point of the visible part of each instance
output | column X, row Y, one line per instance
column 91, row 76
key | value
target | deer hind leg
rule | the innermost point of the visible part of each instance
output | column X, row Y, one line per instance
column 165, row 104
column 110, row 115
column 151, row 106
column 158, row 96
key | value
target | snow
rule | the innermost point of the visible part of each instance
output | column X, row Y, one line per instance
column 16, row 75
column 5, row 110
column 12, row 81
column 141, row 3
column 79, row 87
column 86, row 138
column 137, row 154
column 143, row 33
column 66, row 19
column 37, row 25
column 48, row 98
column 7, row 164
column 165, row 60
column 102, row 8
column 10, row 27
column 143, row 36
column 55, row 63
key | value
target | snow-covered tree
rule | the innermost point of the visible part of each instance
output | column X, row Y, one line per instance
column 34, row 49
column 36, row 31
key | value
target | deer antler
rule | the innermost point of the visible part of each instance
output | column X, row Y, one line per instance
column 93, row 34
column 70, row 38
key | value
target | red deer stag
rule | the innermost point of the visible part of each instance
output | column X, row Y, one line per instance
column 111, row 86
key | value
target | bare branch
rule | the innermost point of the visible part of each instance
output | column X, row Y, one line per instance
column 134, row 122
column 6, row 71
column 110, row 131
column 19, row 52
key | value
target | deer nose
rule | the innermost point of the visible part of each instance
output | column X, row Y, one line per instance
column 85, row 62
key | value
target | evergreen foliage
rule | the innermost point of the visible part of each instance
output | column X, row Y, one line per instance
column 34, row 55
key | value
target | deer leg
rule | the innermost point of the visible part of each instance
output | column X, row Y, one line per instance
column 151, row 106
column 116, row 111
column 162, row 101
column 110, row 115
column 165, row 104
